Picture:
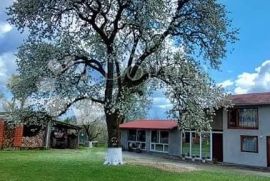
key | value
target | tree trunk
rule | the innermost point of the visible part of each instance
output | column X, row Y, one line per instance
column 114, row 153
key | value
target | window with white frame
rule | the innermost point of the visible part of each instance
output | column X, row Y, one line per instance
column 197, row 145
column 159, row 141
column 136, row 139
column 206, row 145
column 186, row 144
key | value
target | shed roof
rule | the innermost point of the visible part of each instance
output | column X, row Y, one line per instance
column 150, row 124
column 251, row 99
column 66, row 125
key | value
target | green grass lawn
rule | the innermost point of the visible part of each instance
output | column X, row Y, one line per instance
column 88, row 165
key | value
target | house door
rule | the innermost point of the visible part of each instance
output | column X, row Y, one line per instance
column 217, row 147
column 268, row 150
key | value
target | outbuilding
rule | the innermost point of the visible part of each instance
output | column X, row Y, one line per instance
column 54, row 134
column 162, row 136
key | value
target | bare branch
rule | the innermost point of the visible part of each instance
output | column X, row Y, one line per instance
column 131, row 56
column 79, row 99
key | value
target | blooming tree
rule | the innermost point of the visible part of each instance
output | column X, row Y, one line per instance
column 91, row 117
column 106, row 51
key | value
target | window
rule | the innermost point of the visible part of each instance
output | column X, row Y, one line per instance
column 232, row 118
column 132, row 135
column 195, row 149
column 206, row 145
column 164, row 137
column 141, row 136
column 197, row 144
column 159, row 141
column 154, row 137
column 243, row 118
column 186, row 143
column 136, row 139
column 248, row 118
column 249, row 144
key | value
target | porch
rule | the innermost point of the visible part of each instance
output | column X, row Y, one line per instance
column 202, row 145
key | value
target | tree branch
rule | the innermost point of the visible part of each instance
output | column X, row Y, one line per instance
column 79, row 99
column 95, row 136
column 117, row 19
column 119, row 81
column 136, row 40
column 93, row 63
column 162, row 37
column 92, row 22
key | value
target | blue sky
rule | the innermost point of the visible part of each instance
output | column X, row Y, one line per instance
column 245, row 69
column 251, row 51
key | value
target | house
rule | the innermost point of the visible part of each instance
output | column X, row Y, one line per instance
column 165, row 136
column 239, row 135
column 246, row 130
column 55, row 134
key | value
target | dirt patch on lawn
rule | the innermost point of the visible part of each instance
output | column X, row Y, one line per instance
column 171, row 167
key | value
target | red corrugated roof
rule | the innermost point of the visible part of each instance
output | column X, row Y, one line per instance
column 251, row 99
column 149, row 124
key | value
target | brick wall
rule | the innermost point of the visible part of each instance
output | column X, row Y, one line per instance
column 18, row 135
column 2, row 132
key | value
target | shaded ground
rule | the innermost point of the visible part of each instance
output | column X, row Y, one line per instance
column 157, row 161
column 164, row 162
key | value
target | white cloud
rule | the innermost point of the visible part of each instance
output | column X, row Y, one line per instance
column 257, row 81
column 162, row 102
column 7, row 67
column 166, row 106
column 4, row 28
column 247, row 82
column 226, row 83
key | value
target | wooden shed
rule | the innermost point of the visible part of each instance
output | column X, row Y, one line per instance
column 55, row 134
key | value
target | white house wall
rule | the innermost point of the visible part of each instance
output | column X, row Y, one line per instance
column 232, row 141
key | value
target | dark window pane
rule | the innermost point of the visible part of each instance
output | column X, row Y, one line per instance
column 186, row 143
column 143, row 146
column 164, row 137
column 141, row 136
column 132, row 135
column 232, row 114
column 187, row 137
column 159, row 147
column 154, row 137
column 166, row 148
